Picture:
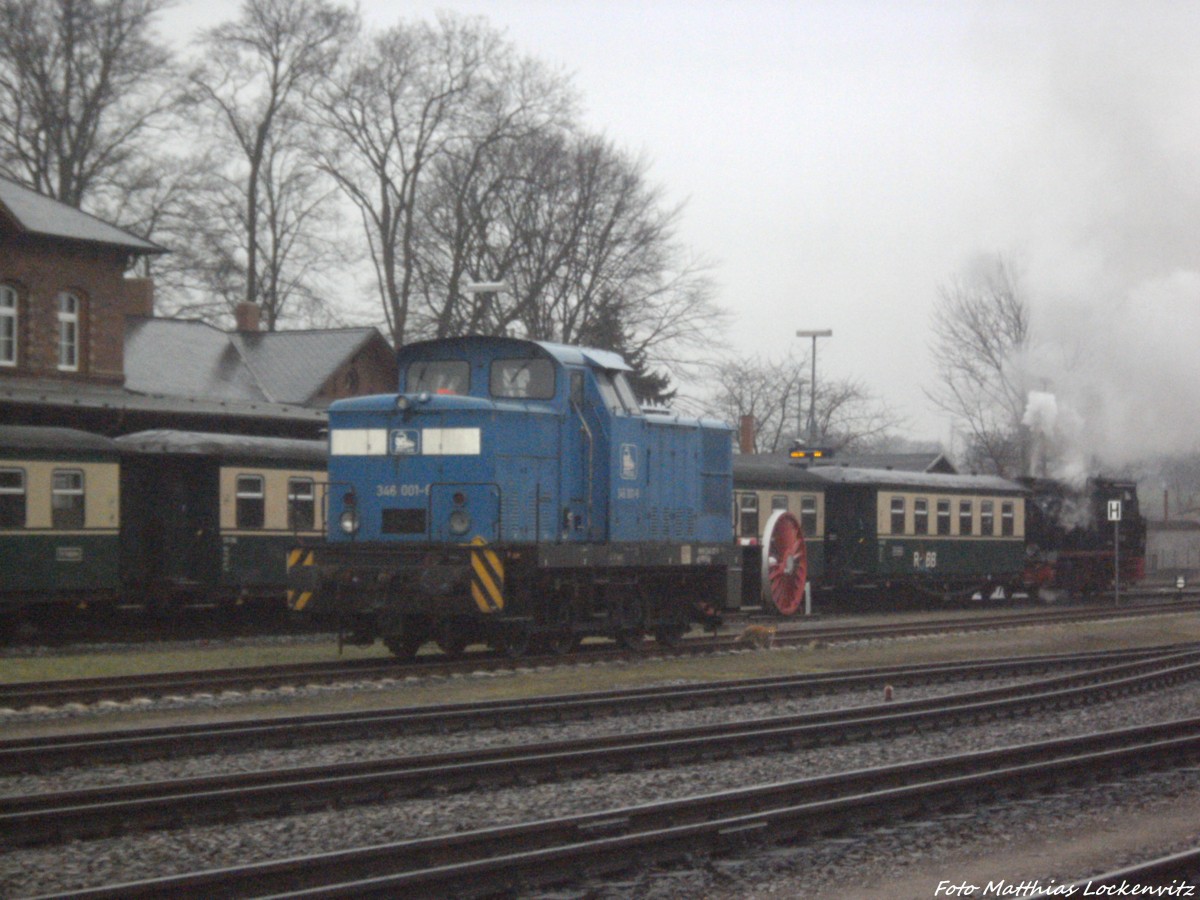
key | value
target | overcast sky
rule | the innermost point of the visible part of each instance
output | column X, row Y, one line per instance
column 840, row 160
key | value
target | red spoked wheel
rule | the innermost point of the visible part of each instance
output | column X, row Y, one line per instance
column 785, row 564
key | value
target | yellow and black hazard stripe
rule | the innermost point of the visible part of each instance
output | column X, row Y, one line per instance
column 487, row 578
column 298, row 599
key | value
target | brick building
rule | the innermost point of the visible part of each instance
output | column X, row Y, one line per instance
column 80, row 346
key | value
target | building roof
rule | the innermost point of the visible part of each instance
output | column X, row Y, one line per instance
column 190, row 358
column 53, row 393
column 35, row 213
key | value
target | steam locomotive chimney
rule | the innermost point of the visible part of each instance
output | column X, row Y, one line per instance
column 746, row 434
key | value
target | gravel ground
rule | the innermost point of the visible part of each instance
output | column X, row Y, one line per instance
column 839, row 868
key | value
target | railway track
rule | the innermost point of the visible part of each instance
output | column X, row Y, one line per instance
column 42, row 754
column 518, row 858
column 83, row 691
column 99, row 812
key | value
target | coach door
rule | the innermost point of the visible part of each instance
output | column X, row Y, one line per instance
column 188, row 504
column 850, row 542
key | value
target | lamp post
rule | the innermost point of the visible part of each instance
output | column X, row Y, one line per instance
column 812, row 403
column 488, row 288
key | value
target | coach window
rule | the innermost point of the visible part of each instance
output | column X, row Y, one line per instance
column 943, row 517
column 748, row 515
column 779, row 501
column 12, row 498
column 1008, row 518
column 301, row 504
column 66, row 499
column 808, row 515
column 444, row 376
column 987, row 518
column 966, row 517
column 897, row 515
column 68, row 332
column 8, row 325
column 523, row 379
column 921, row 516
column 251, row 503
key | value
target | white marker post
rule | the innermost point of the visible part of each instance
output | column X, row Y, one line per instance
column 1114, row 516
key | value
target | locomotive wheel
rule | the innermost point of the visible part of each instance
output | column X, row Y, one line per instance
column 562, row 641
column 513, row 641
column 670, row 633
column 451, row 640
column 403, row 646
column 784, row 565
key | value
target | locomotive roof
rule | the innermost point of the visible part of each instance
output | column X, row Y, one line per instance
column 42, row 437
column 224, row 446
column 563, row 353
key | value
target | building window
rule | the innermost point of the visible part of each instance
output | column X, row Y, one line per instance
column 747, row 515
column 68, row 332
column 966, row 517
column 897, row 515
column 987, row 518
column 1008, row 518
column 921, row 516
column 943, row 517
column 251, row 503
column 66, row 499
column 12, row 498
column 301, row 504
column 808, row 515
column 8, row 325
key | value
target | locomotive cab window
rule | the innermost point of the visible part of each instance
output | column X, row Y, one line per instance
column 67, row 499
column 251, row 502
column 987, row 518
column 448, row 376
column 616, row 393
column 523, row 379
column 301, row 504
column 921, row 515
column 897, row 515
column 12, row 498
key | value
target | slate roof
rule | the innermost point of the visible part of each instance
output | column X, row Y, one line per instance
column 38, row 214
column 193, row 359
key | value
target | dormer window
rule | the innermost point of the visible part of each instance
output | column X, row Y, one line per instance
column 8, row 325
column 68, row 332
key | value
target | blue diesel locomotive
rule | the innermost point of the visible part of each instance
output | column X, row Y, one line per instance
column 515, row 493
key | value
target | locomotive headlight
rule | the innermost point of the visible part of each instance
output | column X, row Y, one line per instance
column 460, row 522
column 349, row 521
column 403, row 403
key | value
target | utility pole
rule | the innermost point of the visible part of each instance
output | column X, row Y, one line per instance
column 812, row 403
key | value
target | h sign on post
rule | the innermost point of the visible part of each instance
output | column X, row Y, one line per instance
column 1114, row 510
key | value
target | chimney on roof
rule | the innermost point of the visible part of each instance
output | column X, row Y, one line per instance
column 746, row 434
column 248, row 316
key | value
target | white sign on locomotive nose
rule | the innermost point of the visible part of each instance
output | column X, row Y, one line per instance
column 1114, row 510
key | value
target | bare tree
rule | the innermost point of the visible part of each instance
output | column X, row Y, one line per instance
column 392, row 110
column 776, row 394
column 256, row 72
column 980, row 326
column 585, row 246
column 83, row 84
